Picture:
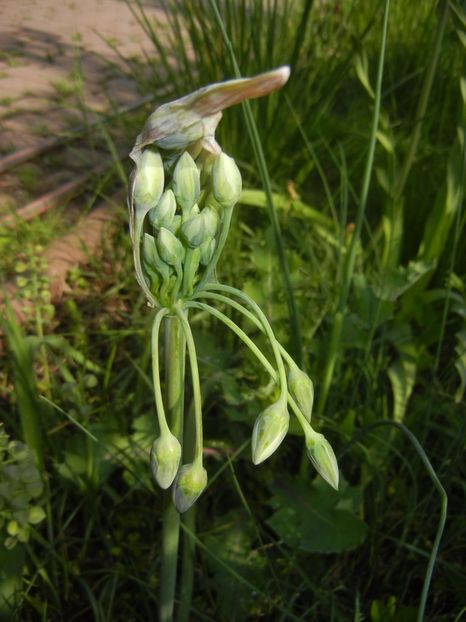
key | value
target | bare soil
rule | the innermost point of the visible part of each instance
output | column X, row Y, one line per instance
column 57, row 54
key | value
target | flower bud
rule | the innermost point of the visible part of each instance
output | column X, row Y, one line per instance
column 226, row 181
column 149, row 181
column 193, row 231
column 191, row 481
column 186, row 182
column 323, row 458
column 151, row 258
column 207, row 249
column 165, row 458
column 175, row 224
column 302, row 390
column 170, row 248
column 163, row 213
column 210, row 216
column 270, row 429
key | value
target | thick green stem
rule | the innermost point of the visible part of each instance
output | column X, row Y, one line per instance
column 175, row 350
column 187, row 576
column 188, row 521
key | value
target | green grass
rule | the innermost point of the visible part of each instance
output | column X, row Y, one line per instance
column 374, row 250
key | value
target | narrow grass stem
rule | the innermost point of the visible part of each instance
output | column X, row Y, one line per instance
column 175, row 349
column 348, row 267
column 443, row 502
column 423, row 102
column 264, row 173
column 454, row 251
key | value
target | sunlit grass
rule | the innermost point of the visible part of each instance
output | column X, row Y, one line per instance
column 400, row 355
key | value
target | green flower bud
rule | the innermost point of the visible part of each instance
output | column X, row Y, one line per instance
column 321, row 455
column 269, row 430
column 204, row 162
column 302, row 390
column 175, row 225
column 165, row 458
column 191, row 481
column 149, row 180
column 207, row 249
column 193, row 231
column 170, row 248
column 163, row 213
column 210, row 217
column 186, row 182
column 226, row 181
column 151, row 257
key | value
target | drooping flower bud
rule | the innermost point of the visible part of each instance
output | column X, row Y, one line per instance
column 165, row 458
column 226, row 181
column 207, row 249
column 149, row 180
column 186, row 182
column 163, row 213
column 270, row 429
column 302, row 390
column 323, row 458
column 191, row 481
column 170, row 248
column 193, row 231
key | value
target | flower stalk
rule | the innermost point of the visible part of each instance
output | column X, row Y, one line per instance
column 181, row 199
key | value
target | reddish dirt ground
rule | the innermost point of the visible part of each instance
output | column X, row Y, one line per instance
column 55, row 54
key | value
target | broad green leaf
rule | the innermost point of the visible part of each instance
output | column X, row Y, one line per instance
column 396, row 282
column 315, row 518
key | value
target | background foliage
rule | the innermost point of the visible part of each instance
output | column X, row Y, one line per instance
column 272, row 542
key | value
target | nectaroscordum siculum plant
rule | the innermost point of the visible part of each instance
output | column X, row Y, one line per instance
column 181, row 197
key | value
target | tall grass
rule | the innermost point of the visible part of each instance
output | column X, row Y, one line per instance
column 398, row 361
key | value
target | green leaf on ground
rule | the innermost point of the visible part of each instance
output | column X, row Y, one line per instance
column 315, row 518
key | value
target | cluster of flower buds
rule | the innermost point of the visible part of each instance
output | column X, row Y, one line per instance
column 182, row 194
column 180, row 208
